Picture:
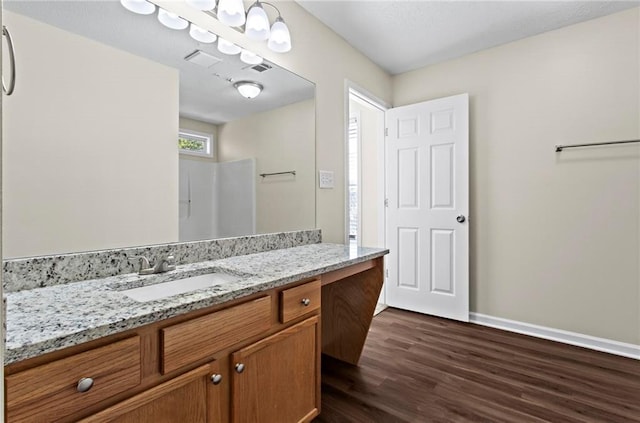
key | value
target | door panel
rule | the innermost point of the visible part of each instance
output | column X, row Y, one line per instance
column 408, row 180
column 408, row 257
column 427, row 189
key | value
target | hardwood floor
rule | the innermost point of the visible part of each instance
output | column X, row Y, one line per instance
column 418, row 368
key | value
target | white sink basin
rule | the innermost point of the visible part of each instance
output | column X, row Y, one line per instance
column 180, row 286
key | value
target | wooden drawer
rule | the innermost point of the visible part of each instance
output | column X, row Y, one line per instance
column 196, row 339
column 298, row 301
column 49, row 392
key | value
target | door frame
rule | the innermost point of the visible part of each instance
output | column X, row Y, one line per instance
column 352, row 88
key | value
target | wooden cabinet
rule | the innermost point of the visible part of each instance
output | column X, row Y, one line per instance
column 191, row 397
column 276, row 380
column 51, row 391
column 299, row 301
column 199, row 338
column 161, row 372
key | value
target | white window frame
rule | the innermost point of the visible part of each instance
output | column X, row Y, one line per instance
column 210, row 144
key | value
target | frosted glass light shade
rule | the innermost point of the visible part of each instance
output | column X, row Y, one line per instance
column 202, row 4
column 228, row 47
column 171, row 20
column 280, row 39
column 257, row 26
column 250, row 58
column 202, row 35
column 141, row 7
column 248, row 89
column 231, row 12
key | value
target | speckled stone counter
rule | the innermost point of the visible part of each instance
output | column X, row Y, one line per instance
column 51, row 318
column 39, row 272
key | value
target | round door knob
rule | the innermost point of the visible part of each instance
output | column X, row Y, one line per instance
column 461, row 219
column 84, row 384
column 305, row 302
column 239, row 367
column 216, row 379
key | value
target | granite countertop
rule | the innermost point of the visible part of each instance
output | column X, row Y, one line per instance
column 47, row 319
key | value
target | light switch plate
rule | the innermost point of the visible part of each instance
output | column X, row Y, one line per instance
column 326, row 179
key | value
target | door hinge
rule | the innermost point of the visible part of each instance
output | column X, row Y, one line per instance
column 387, row 273
column 386, row 202
column 386, row 132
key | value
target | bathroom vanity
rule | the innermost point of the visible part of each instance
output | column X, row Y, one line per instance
column 241, row 351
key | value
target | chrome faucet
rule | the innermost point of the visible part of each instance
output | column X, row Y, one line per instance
column 165, row 264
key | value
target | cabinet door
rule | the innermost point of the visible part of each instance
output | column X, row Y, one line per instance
column 190, row 397
column 276, row 380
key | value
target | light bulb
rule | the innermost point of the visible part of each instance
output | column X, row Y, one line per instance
column 201, row 35
column 250, row 58
column 141, row 7
column 248, row 89
column 280, row 39
column 227, row 47
column 171, row 20
column 202, row 4
column 257, row 26
column 231, row 12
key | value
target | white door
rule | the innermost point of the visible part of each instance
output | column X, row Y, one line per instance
column 427, row 166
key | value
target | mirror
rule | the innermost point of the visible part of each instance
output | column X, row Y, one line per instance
column 90, row 143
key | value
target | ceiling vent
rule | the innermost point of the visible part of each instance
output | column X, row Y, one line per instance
column 261, row 67
column 203, row 59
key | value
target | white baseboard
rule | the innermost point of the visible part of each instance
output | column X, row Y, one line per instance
column 572, row 338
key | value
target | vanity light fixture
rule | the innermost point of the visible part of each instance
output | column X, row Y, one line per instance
column 228, row 47
column 141, row 7
column 250, row 58
column 171, row 20
column 280, row 39
column 231, row 12
column 248, row 89
column 256, row 22
column 201, row 34
column 257, row 28
column 202, row 4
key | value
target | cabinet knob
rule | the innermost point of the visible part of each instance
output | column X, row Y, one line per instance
column 216, row 379
column 239, row 367
column 84, row 384
column 305, row 302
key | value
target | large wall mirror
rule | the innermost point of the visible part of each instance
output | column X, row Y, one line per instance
column 90, row 144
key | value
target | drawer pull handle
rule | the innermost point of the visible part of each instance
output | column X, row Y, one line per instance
column 305, row 302
column 239, row 367
column 216, row 379
column 84, row 384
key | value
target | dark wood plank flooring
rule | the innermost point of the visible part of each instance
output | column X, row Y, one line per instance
column 418, row 368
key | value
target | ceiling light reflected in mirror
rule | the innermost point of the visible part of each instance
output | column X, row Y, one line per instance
column 228, row 47
column 248, row 89
column 250, row 58
column 202, row 35
column 141, row 7
column 171, row 20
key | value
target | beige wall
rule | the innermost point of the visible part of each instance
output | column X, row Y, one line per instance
column 84, row 165
column 323, row 57
column 554, row 236
column 280, row 140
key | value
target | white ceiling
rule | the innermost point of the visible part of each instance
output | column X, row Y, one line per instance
column 401, row 35
column 206, row 94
